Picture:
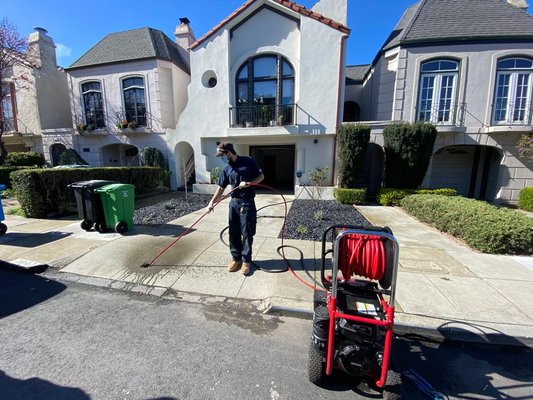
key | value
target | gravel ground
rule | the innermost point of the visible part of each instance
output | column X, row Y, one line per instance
column 307, row 219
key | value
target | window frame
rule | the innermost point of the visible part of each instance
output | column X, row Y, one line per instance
column 99, row 122
column 507, row 114
column 141, row 120
column 280, row 77
column 437, row 112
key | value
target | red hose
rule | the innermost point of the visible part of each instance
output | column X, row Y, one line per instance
column 362, row 255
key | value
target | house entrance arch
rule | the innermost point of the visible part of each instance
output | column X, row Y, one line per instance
column 55, row 153
column 185, row 167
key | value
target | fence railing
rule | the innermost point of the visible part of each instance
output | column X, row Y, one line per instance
column 262, row 115
column 505, row 113
column 443, row 114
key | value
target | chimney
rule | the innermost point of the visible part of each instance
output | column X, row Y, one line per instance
column 43, row 47
column 521, row 4
column 184, row 34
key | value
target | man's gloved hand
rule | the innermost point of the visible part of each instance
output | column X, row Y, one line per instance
column 243, row 185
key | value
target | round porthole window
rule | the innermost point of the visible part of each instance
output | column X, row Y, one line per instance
column 209, row 79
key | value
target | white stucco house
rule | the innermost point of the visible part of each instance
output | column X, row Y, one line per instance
column 270, row 79
column 126, row 92
column 467, row 67
column 36, row 96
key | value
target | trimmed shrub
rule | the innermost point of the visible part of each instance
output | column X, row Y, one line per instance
column 482, row 226
column 350, row 196
column 71, row 157
column 152, row 157
column 25, row 159
column 41, row 192
column 525, row 199
column 5, row 172
column 408, row 149
column 393, row 197
column 352, row 144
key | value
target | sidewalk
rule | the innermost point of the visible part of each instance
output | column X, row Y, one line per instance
column 444, row 289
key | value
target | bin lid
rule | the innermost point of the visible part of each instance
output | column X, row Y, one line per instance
column 94, row 183
column 115, row 187
column 2, row 186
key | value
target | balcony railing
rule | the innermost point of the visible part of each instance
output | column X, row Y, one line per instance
column 504, row 113
column 450, row 115
column 8, row 125
column 262, row 115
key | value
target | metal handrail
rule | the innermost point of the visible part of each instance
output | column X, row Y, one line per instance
column 262, row 115
column 453, row 115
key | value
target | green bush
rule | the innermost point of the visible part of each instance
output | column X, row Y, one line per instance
column 5, row 172
column 41, row 192
column 525, row 199
column 408, row 149
column 393, row 196
column 153, row 157
column 71, row 157
column 352, row 144
column 350, row 196
column 24, row 159
column 482, row 226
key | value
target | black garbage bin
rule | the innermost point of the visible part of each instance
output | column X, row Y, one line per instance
column 89, row 205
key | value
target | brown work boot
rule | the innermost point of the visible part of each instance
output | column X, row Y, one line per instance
column 234, row 266
column 245, row 268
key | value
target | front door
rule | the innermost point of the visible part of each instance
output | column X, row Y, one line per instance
column 277, row 163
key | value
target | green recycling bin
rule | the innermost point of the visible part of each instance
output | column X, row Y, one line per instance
column 118, row 204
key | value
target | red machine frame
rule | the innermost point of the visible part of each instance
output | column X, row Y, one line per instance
column 331, row 285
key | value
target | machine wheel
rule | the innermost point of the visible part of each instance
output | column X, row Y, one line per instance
column 316, row 367
column 86, row 225
column 3, row 228
column 121, row 227
column 393, row 385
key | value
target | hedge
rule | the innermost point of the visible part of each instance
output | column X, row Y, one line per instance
column 42, row 192
column 482, row 226
column 525, row 199
column 350, row 196
column 5, row 172
column 352, row 145
column 393, row 196
column 24, row 159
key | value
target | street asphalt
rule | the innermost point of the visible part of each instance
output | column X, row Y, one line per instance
column 444, row 290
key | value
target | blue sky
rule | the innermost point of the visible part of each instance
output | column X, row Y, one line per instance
column 76, row 26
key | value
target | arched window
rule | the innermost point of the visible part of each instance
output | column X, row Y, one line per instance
column 92, row 104
column 438, row 91
column 512, row 97
column 134, row 100
column 265, row 91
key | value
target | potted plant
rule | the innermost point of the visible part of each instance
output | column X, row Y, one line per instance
column 122, row 124
column 132, row 125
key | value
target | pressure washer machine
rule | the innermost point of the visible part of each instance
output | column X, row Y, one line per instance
column 354, row 316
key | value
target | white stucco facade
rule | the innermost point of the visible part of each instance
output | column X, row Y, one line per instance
column 314, row 50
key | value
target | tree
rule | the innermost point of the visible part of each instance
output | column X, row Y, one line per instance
column 13, row 53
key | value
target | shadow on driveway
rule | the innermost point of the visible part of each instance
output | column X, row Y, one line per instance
column 19, row 291
column 30, row 240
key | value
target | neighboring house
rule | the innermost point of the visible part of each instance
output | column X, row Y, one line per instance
column 467, row 67
column 37, row 99
column 125, row 93
column 270, row 79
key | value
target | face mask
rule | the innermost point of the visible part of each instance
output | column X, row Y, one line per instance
column 225, row 160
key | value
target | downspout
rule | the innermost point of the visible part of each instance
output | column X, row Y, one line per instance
column 342, row 68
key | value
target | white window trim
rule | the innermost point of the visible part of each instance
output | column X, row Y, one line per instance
column 435, row 99
column 511, row 98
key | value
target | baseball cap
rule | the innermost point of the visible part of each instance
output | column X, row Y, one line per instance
column 223, row 148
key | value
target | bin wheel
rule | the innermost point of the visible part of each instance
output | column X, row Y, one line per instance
column 86, row 225
column 3, row 228
column 393, row 384
column 121, row 227
column 100, row 227
column 316, row 367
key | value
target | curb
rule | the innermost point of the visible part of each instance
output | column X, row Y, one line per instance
column 25, row 266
